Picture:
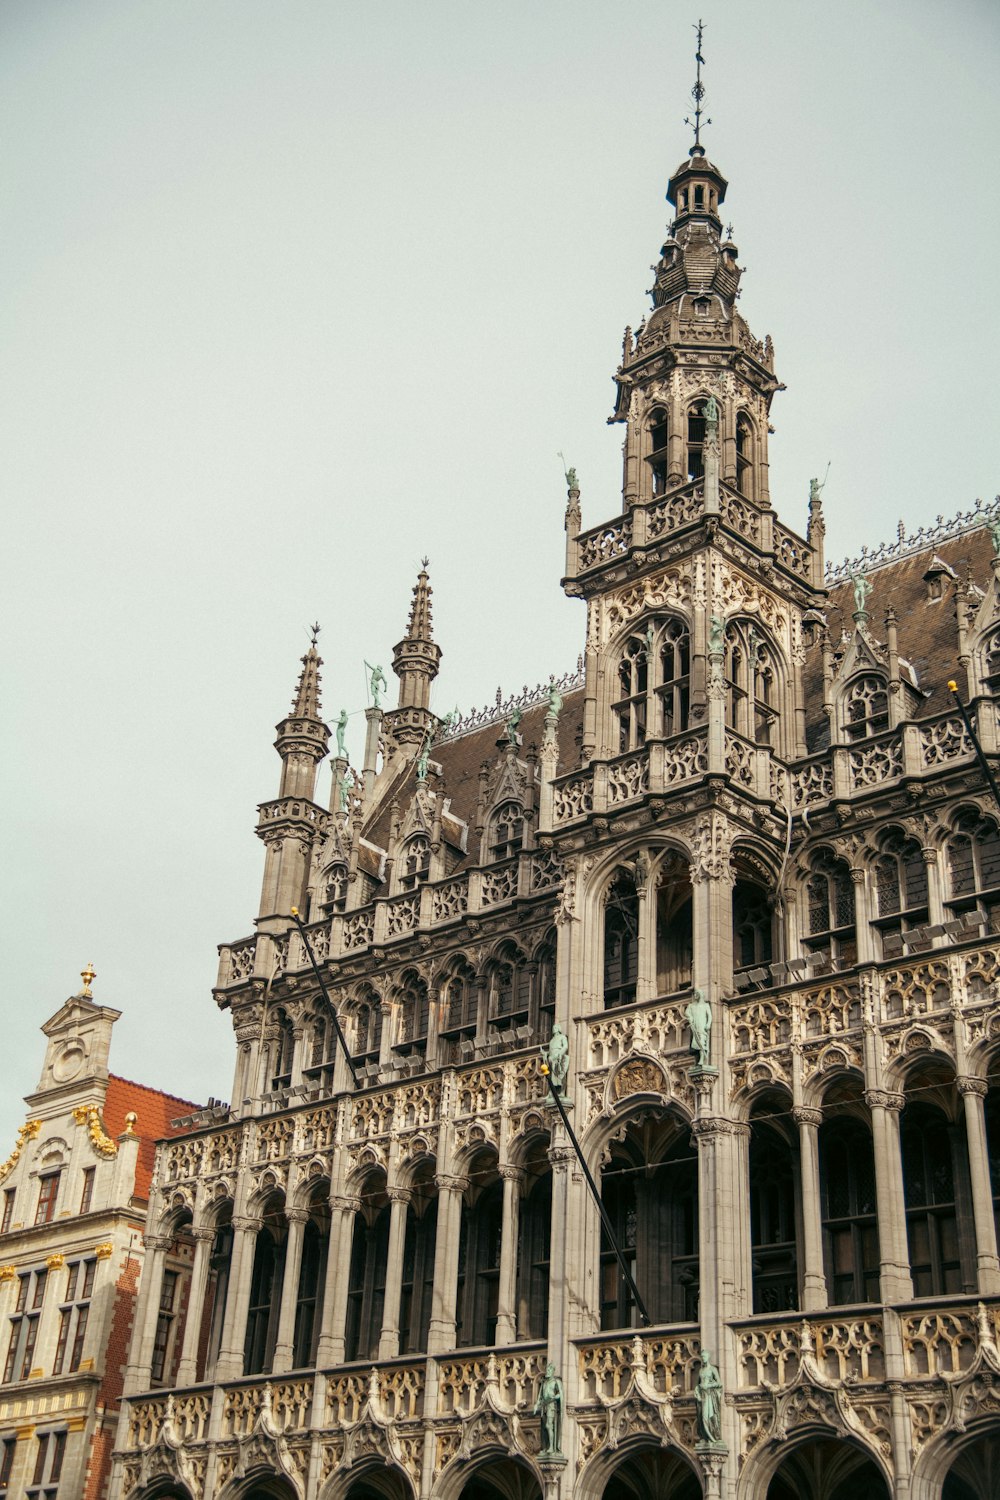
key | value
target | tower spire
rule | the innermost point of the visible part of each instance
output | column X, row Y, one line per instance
column 415, row 662
column 306, row 704
column 697, row 93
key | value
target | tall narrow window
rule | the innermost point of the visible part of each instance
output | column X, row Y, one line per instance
column 630, row 707
column 695, row 441
column 416, row 862
column 830, row 911
column 534, row 1232
column 417, row 1288
column 506, row 833
column 650, row 1191
column 773, row 1184
column 24, row 1325
column 74, row 1312
column 87, row 1196
column 48, row 1193
column 220, row 1264
column 674, row 932
column 315, row 1242
column 164, row 1326
column 481, row 1233
column 850, row 1226
column 459, row 1017
column 265, row 1293
column 621, row 941
column 366, row 1279
column 974, row 867
column 658, row 449
column 753, row 926
column 8, row 1209
column 48, row 1467
column 744, row 455
column 367, row 1027
column 929, row 1188
column 900, row 890
column 673, row 690
column 335, row 889
column 509, row 995
column 283, row 1051
column 8, row 1448
column 414, row 1018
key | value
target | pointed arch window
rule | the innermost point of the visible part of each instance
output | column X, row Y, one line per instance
column 509, row 988
column 621, row 942
column 900, row 889
column 990, row 658
column 753, row 926
column 774, row 1213
column 752, row 683
column 309, row 1297
column 321, row 1053
column 416, row 1291
column 335, row 889
column 367, row 1028
column 744, row 455
column 265, row 1293
column 416, row 862
column 650, row 1191
column 974, row 867
column 695, row 441
column 928, row 1144
column 479, row 1260
column 866, row 708
column 850, row 1225
column 459, row 1014
column 414, row 1018
column 282, row 1052
column 830, row 915
column 633, row 682
column 657, row 460
column 217, row 1290
column 366, row 1277
column 534, row 1234
column 506, row 832
column 674, row 930
column 654, row 683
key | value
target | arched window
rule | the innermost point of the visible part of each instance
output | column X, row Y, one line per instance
column 545, row 988
column 416, row 862
column 479, row 1256
column 830, row 910
column 621, row 941
column 335, row 889
column 774, row 1179
column 312, row 1272
column 414, row 1018
column 900, row 889
column 753, row 704
column 753, row 926
column 366, row 1278
column 534, row 1231
column 989, row 657
column 217, row 1289
column 321, row 1053
column 654, row 683
column 282, row 1052
column 506, row 833
column 650, row 1191
column 509, row 988
column 459, row 1015
column 658, row 449
column 367, row 1027
column 674, row 940
column 866, row 708
column 695, row 441
column 850, row 1225
column 974, row 867
column 417, row 1285
column 633, row 682
column 928, row 1143
column 744, row 455
column 265, row 1292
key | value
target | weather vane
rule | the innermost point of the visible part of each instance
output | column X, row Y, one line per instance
column 698, row 92
column 314, row 630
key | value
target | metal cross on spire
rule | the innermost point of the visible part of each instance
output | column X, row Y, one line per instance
column 698, row 92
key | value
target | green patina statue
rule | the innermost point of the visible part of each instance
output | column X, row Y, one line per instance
column 862, row 588
column 716, row 635
column 341, row 731
column 708, row 1399
column 699, row 1017
column 512, row 724
column 377, row 684
column 550, row 1405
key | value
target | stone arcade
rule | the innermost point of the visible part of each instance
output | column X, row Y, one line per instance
column 757, row 788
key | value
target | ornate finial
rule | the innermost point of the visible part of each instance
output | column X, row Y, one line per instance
column 314, row 631
column 697, row 93
column 425, row 562
column 88, row 975
column 130, row 1122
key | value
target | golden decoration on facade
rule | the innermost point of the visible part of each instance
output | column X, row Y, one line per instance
column 55, row 1262
column 7, row 1273
column 90, row 1115
column 88, row 975
column 639, row 1077
column 26, row 1132
column 105, row 1251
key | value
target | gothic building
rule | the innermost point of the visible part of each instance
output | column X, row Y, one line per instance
column 748, row 861
column 73, row 1198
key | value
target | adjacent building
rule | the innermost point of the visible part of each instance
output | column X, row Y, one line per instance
column 748, row 861
column 73, row 1198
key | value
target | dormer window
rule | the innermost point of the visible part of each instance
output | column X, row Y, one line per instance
column 866, row 708
column 699, row 197
column 506, row 832
column 702, row 307
column 416, row 863
column 335, row 890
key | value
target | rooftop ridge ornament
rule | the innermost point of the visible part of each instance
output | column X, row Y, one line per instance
column 981, row 514
column 697, row 94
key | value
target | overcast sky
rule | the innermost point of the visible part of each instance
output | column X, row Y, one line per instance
column 297, row 293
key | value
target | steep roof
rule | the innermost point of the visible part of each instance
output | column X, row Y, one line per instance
column 153, row 1110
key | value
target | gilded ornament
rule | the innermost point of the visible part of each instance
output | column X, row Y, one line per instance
column 88, row 975
column 105, row 1251
column 90, row 1115
column 55, row 1262
column 26, row 1132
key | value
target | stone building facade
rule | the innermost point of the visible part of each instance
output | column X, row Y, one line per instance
column 755, row 813
column 73, row 1198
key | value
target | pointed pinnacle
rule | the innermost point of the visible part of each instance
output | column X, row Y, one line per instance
column 306, row 703
column 420, row 625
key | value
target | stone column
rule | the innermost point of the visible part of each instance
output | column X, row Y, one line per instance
column 894, row 1254
column 187, row 1369
column 813, row 1278
column 333, row 1326
column 973, row 1091
column 148, row 1312
column 229, row 1364
column 513, row 1178
column 284, row 1343
column 442, row 1324
column 388, row 1344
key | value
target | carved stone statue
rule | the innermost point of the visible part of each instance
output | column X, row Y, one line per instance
column 556, row 1054
column 862, row 588
column 571, row 480
column 716, row 635
column 344, row 785
column 555, row 701
column 377, row 684
column 699, row 1017
column 815, row 490
column 710, row 411
column 424, row 756
column 512, row 724
column 550, row 1404
column 708, row 1399
column 451, row 718
column 341, row 731
column 994, row 530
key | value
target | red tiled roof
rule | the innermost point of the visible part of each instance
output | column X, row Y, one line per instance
column 154, row 1111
